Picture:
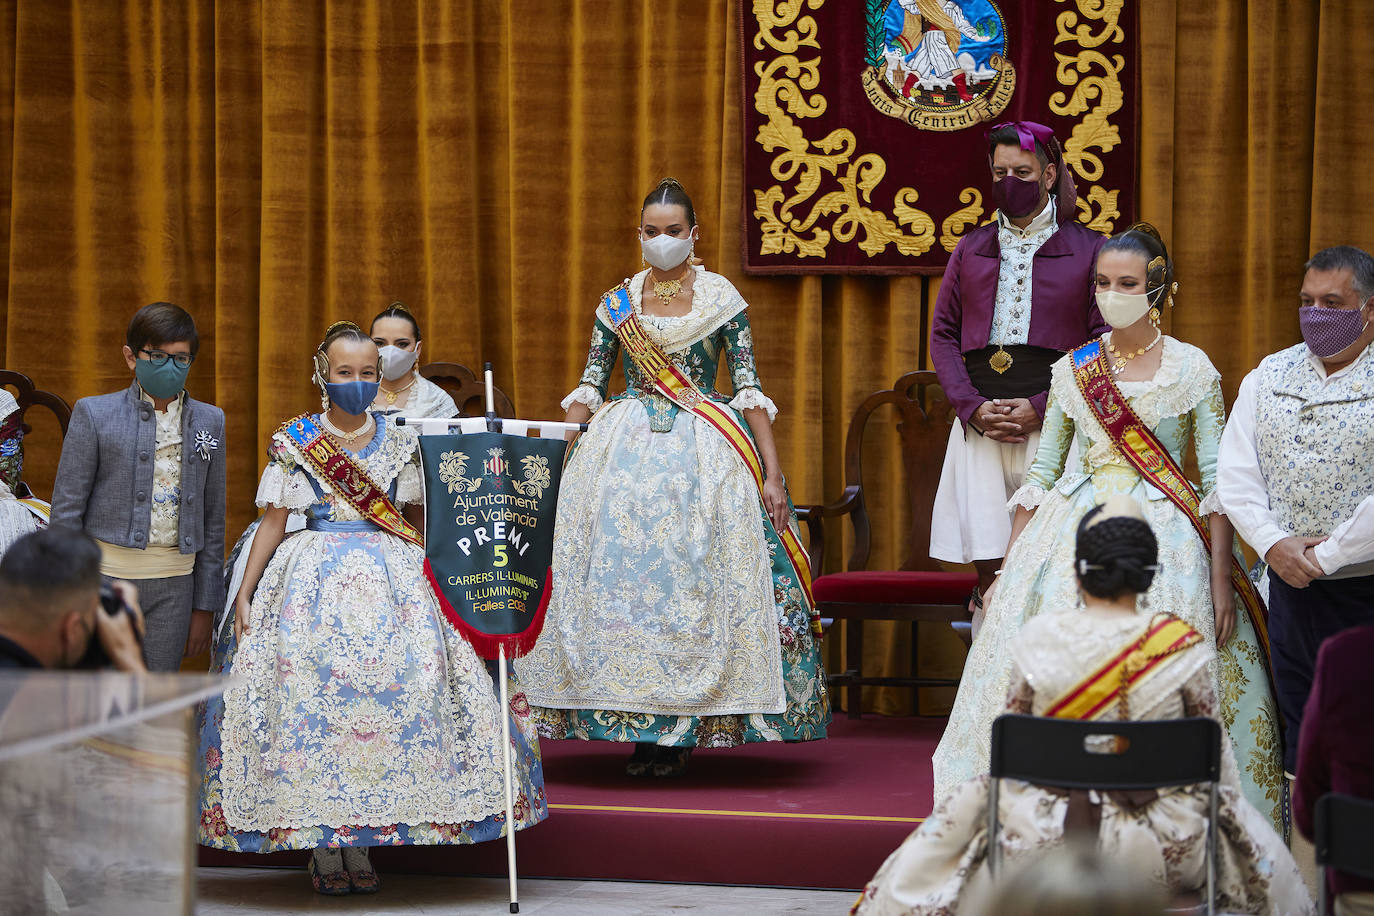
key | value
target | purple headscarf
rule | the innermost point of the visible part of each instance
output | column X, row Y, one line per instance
column 1065, row 192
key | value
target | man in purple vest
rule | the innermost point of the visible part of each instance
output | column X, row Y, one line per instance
column 1016, row 295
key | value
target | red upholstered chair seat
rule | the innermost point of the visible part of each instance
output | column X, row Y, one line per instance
column 919, row 590
column 894, row 587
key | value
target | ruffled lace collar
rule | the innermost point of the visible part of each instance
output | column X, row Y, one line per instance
column 1184, row 378
column 714, row 302
column 382, row 458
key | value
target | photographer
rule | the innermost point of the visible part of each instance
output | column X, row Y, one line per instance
column 51, row 613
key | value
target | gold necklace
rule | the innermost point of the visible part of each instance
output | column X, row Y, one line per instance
column 667, row 290
column 1123, row 358
column 391, row 396
column 349, row 438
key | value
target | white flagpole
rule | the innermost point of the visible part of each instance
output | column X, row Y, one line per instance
column 509, row 769
column 488, row 423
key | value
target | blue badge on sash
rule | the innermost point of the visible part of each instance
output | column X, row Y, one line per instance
column 1086, row 353
column 618, row 304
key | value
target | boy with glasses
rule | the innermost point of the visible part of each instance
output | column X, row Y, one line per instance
column 142, row 471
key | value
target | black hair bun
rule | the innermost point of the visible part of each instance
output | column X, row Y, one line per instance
column 1115, row 556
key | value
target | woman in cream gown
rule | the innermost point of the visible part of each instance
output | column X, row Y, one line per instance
column 1180, row 402
column 942, row 867
column 677, row 618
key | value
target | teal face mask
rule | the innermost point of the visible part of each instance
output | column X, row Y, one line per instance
column 165, row 381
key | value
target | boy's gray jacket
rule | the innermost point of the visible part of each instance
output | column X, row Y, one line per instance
column 105, row 481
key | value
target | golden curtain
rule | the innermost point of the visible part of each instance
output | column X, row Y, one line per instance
column 276, row 165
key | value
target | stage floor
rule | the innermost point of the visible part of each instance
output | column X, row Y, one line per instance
column 822, row 814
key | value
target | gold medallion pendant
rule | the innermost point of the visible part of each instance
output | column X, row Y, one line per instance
column 1000, row 361
column 667, row 290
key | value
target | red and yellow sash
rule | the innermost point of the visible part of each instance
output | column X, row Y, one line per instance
column 676, row 385
column 1137, row 444
column 347, row 479
column 1114, row 678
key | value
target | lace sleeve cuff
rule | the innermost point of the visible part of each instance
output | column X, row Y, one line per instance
column 1211, row 504
column 1028, row 497
column 753, row 397
column 584, row 394
column 410, row 488
column 284, row 489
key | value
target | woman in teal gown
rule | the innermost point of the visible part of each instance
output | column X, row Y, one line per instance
column 1182, row 403
column 677, row 618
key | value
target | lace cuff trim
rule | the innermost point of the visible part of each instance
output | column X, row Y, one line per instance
column 1028, row 497
column 288, row 490
column 746, row 398
column 410, row 488
column 584, row 394
column 1211, row 503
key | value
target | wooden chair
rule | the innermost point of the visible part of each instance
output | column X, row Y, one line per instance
column 467, row 390
column 919, row 589
column 29, row 396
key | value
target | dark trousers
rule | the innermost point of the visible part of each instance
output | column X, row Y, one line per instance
column 1299, row 620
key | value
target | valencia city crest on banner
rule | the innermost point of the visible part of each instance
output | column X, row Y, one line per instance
column 490, row 504
column 937, row 64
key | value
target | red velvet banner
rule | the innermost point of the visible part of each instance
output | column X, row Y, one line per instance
column 865, row 121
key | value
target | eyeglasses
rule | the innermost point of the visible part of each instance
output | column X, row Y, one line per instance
column 158, row 358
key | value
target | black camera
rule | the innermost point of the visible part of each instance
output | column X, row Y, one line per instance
column 112, row 604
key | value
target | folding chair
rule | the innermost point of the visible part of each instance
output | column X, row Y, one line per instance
column 1078, row 754
column 1342, row 826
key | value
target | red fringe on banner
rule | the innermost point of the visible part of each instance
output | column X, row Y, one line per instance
column 488, row 645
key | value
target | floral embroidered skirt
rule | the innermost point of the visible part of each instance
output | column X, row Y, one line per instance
column 358, row 717
column 1037, row 578
column 941, row 868
column 676, row 617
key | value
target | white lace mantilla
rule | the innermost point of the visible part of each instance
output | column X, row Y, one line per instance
column 1184, row 379
column 286, row 481
column 714, row 302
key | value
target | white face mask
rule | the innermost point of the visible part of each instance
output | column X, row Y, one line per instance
column 396, row 362
column 1121, row 310
column 666, row 252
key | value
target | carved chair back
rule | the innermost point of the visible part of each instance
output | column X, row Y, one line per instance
column 467, row 390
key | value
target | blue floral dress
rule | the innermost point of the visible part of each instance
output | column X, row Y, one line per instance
column 676, row 617
column 357, row 716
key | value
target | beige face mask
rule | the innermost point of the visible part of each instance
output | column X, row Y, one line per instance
column 1121, row 310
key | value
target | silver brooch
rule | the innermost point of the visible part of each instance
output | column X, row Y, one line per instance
column 205, row 443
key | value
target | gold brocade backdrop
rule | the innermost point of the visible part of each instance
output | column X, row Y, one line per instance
column 280, row 164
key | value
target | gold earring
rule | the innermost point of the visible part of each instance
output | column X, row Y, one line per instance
column 1154, row 316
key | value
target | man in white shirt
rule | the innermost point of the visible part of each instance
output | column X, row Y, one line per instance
column 1296, row 473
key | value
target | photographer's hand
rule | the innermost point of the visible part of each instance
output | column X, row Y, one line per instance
column 121, row 634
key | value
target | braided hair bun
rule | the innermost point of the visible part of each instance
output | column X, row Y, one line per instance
column 1116, row 552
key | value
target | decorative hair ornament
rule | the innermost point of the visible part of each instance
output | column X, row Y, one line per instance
column 321, row 359
column 1084, row 567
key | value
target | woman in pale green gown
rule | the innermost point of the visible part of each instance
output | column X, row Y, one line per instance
column 1174, row 389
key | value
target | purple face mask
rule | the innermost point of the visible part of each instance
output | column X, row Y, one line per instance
column 1014, row 197
column 1329, row 331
